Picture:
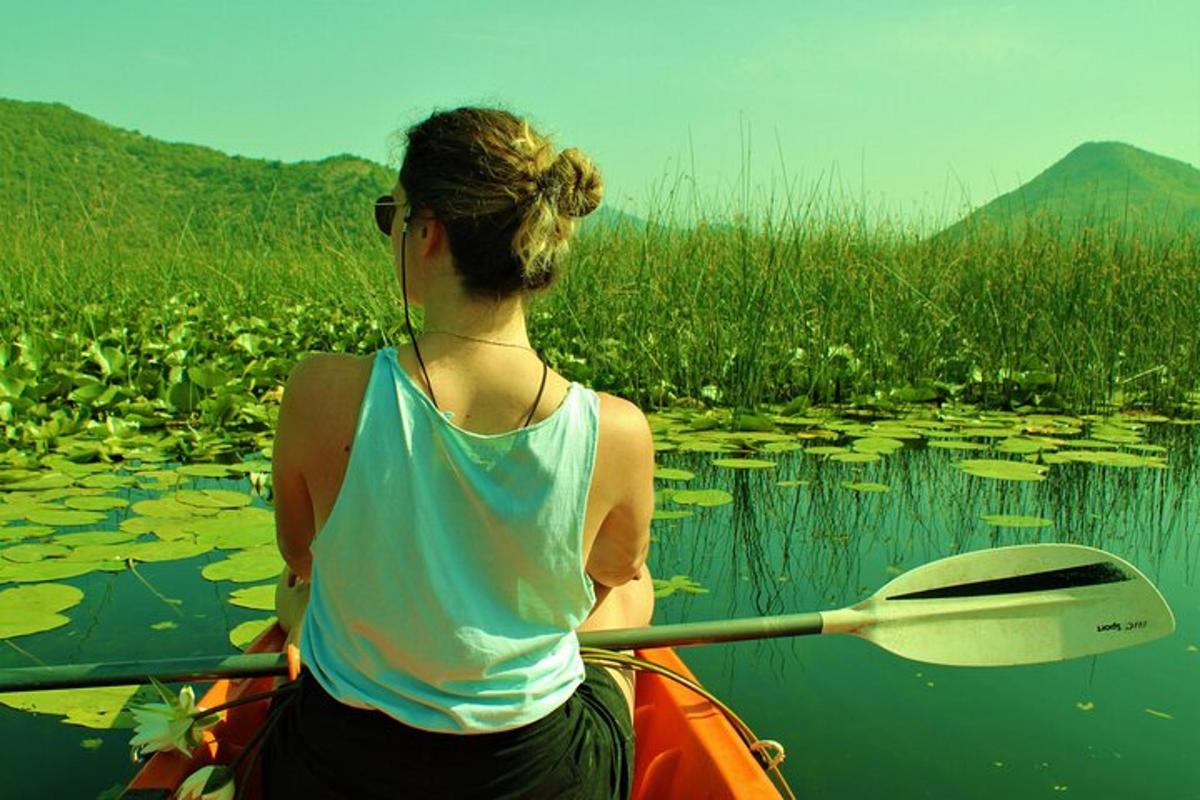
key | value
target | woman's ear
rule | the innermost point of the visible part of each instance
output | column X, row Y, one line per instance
column 433, row 235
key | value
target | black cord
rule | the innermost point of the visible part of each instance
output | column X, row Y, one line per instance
column 537, row 400
column 412, row 337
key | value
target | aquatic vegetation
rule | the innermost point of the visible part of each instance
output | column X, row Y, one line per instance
column 257, row 597
column 169, row 725
column 1002, row 470
column 246, row 566
column 1016, row 521
column 743, row 463
column 677, row 583
column 243, row 634
column 100, row 709
column 208, row 783
column 866, row 486
column 706, row 498
column 672, row 474
column 33, row 609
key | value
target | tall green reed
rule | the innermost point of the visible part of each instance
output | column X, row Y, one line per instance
column 799, row 304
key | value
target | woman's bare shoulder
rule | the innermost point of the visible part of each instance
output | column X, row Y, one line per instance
column 624, row 425
column 324, row 379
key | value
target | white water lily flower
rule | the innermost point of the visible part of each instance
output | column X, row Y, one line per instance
column 170, row 725
column 213, row 782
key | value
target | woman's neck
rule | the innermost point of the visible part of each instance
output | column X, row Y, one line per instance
column 449, row 309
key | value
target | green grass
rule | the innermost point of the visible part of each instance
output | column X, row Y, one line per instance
column 154, row 284
column 732, row 315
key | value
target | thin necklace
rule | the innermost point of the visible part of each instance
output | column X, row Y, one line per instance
column 481, row 340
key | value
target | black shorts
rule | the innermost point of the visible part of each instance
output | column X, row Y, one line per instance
column 325, row 750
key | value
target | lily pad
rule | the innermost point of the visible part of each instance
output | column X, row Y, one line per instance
column 55, row 569
column 10, row 532
column 33, row 609
column 1003, row 470
column 677, row 583
column 93, row 537
column 108, row 482
column 28, row 553
column 956, row 444
column 63, row 518
column 175, row 550
column 702, row 497
column 671, row 474
column 1107, row 459
column 824, row 450
column 101, row 708
column 163, row 528
column 855, row 458
column 50, row 481
column 663, row 515
column 882, row 445
column 261, row 598
column 696, row 445
column 866, row 486
column 204, row 471
column 95, row 503
column 1013, row 521
column 212, row 498
column 792, row 484
column 169, row 508
column 239, row 529
column 242, row 635
column 743, row 463
column 246, row 566
column 1023, row 445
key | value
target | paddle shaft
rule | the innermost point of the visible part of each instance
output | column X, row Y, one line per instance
column 206, row 668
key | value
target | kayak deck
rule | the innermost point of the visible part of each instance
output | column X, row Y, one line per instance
column 686, row 749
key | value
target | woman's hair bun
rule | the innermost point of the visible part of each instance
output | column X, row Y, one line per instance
column 509, row 203
column 574, row 183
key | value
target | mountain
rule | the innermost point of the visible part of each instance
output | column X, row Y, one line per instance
column 1099, row 184
column 61, row 167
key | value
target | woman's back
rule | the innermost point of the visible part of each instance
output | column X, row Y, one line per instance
column 475, row 541
column 461, row 509
column 326, row 393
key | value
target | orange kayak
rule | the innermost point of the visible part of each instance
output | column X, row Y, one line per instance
column 686, row 749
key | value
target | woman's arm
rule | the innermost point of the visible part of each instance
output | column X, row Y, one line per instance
column 294, row 526
column 627, row 450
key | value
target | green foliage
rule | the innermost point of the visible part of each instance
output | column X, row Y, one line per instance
column 155, row 297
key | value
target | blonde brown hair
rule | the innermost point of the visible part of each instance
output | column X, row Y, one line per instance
column 508, row 202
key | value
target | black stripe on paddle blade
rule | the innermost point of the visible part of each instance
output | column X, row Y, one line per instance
column 1066, row 578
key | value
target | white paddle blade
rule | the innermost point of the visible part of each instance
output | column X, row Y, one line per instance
column 1027, row 604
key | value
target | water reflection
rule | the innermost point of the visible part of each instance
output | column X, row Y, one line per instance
column 782, row 549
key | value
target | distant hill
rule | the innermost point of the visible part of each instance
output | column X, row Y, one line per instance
column 1099, row 184
column 58, row 166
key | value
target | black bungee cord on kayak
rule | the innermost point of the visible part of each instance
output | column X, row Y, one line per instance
column 767, row 752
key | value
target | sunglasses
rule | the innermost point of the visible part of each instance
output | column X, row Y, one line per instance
column 385, row 214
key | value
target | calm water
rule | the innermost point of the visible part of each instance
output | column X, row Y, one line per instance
column 857, row 722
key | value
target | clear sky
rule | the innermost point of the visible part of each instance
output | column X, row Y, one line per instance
column 918, row 106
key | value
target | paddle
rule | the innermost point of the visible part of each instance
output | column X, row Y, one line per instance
column 1026, row 604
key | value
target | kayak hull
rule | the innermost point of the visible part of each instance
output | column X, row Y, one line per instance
column 686, row 749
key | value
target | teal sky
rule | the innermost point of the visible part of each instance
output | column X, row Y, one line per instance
column 921, row 107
